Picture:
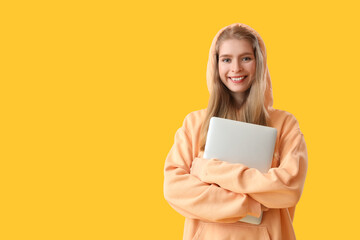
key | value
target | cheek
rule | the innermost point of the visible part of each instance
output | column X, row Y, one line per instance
column 222, row 71
column 253, row 68
column 222, row 77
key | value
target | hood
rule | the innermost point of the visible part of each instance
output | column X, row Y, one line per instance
column 212, row 63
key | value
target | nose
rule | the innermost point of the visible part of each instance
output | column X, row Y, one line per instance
column 236, row 67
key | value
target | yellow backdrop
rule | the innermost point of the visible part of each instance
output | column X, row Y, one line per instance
column 92, row 93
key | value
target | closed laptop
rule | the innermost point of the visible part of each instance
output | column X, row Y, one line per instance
column 239, row 142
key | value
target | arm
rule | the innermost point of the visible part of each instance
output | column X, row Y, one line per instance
column 193, row 198
column 278, row 188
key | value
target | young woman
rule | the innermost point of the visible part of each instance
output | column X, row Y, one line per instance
column 214, row 195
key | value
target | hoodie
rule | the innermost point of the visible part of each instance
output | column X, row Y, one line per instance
column 214, row 195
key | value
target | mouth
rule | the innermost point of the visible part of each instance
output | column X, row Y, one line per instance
column 237, row 79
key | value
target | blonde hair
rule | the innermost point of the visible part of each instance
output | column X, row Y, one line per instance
column 221, row 103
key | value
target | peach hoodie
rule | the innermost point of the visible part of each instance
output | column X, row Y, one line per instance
column 214, row 195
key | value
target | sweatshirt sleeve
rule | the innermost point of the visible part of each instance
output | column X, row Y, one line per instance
column 195, row 199
column 280, row 187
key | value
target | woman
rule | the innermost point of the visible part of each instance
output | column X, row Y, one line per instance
column 214, row 195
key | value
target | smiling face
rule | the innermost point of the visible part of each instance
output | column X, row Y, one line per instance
column 237, row 66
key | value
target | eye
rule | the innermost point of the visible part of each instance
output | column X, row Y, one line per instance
column 245, row 59
column 226, row 60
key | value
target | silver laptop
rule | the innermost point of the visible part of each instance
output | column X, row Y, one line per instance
column 239, row 142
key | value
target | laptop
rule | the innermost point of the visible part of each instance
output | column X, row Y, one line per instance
column 239, row 142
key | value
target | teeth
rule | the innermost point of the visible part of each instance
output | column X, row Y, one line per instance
column 238, row 79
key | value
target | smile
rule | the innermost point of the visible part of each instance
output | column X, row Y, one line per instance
column 237, row 79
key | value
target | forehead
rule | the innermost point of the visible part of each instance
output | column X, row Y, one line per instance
column 235, row 47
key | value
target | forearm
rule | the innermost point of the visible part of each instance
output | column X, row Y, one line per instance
column 195, row 199
column 278, row 188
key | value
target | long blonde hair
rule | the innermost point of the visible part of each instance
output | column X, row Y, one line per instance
column 222, row 104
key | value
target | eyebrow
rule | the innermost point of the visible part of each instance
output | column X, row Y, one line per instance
column 229, row 55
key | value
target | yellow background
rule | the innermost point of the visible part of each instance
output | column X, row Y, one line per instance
column 92, row 93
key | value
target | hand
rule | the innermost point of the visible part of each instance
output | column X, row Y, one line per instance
column 264, row 209
column 196, row 167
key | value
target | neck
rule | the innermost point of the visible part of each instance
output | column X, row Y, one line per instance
column 239, row 99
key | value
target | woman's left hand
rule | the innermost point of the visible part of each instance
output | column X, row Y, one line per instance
column 197, row 166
